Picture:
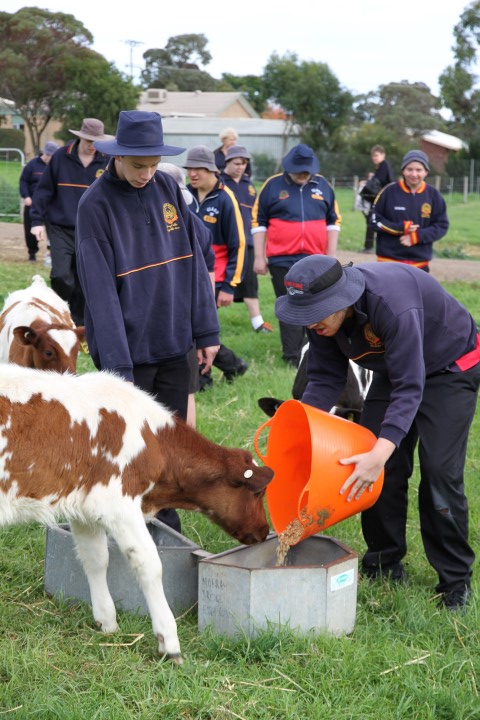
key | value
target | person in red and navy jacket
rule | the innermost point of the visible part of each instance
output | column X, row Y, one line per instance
column 409, row 215
column 294, row 215
column 71, row 171
column 423, row 347
column 218, row 209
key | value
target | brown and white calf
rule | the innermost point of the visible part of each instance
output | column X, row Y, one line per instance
column 103, row 455
column 37, row 330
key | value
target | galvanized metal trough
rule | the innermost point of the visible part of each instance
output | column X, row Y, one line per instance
column 64, row 574
column 242, row 591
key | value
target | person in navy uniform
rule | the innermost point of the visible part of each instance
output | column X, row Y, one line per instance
column 148, row 293
column 31, row 174
column 423, row 347
column 409, row 215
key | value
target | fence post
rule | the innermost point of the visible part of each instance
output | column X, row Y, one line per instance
column 465, row 189
column 437, row 183
column 355, row 190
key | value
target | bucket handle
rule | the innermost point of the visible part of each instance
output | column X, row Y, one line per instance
column 257, row 437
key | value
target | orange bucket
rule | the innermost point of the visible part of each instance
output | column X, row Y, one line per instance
column 304, row 447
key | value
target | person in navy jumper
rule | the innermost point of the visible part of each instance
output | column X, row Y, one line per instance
column 147, row 289
column 295, row 215
column 235, row 177
column 423, row 347
column 71, row 171
column 382, row 176
column 31, row 174
column 409, row 215
column 218, row 209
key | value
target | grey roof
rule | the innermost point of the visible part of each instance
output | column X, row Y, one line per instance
column 196, row 103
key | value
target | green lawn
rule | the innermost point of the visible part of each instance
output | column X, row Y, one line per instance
column 405, row 660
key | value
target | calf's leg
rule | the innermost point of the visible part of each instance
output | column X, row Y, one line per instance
column 92, row 551
column 137, row 545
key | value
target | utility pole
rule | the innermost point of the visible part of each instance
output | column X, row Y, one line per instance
column 132, row 44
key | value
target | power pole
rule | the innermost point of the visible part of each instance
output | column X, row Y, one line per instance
column 132, row 44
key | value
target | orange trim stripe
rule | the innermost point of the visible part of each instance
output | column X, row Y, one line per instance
column 365, row 354
column 419, row 264
column 72, row 185
column 147, row 267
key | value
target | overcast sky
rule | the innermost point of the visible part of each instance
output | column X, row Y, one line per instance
column 365, row 43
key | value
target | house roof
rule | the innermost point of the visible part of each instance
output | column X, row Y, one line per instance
column 213, row 126
column 195, row 104
column 449, row 142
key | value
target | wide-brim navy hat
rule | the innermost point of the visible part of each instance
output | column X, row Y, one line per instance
column 301, row 158
column 139, row 134
column 318, row 286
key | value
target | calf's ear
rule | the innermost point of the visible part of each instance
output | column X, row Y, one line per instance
column 257, row 478
column 25, row 335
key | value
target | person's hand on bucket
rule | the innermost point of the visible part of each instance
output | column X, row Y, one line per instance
column 368, row 467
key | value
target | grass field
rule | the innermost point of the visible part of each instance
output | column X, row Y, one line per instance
column 405, row 660
column 462, row 240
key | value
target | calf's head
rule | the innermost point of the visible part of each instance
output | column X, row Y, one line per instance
column 235, row 500
column 51, row 347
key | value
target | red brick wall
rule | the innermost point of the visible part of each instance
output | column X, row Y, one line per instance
column 437, row 155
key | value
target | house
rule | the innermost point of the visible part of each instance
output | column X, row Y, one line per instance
column 197, row 118
column 438, row 146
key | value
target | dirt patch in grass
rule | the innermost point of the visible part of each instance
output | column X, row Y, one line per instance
column 13, row 249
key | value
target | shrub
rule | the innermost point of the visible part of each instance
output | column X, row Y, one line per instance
column 11, row 138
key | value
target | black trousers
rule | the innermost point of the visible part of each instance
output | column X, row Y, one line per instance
column 369, row 234
column 63, row 275
column 168, row 382
column 30, row 240
column 292, row 336
column 441, row 429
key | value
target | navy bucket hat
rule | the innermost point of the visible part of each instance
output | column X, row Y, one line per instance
column 301, row 158
column 318, row 286
column 139, row 134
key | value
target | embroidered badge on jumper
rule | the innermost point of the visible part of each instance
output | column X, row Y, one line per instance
column 426, row 210
column 370, row 336
column 170, row 215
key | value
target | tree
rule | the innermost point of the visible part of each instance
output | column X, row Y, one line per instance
column 408, row 110
column 458, row 82
column 252, row 86
column 47, row 69
column 312, row 97
column 176, row 66
column 96, row 89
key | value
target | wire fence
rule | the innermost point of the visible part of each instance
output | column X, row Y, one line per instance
column 12, row 160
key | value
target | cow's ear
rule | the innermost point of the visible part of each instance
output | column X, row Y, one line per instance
column 257, row 478
column 25, row 335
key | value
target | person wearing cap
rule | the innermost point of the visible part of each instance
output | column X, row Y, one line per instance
column 295, row 215
column 235, row 177
column 72, row 170
column 147, row 289
column 423, row 347
column 205, row 241
column 218, row 209
column 31, row 174
column 409, row 215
